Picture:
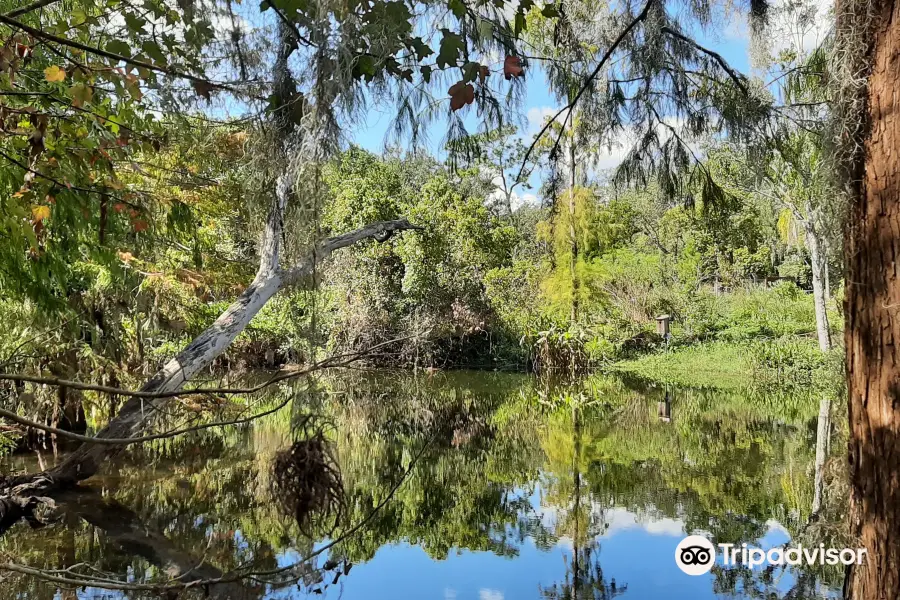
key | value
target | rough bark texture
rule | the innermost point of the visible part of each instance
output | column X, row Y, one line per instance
column 873, row 327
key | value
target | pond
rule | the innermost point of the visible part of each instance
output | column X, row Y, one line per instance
column 462, row 485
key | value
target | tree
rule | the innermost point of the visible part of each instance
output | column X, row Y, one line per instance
column 499, row 154
column 300, row 115
column 867, row 39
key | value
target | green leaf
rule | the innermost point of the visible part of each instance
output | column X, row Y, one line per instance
column 452, row 46
column 155, row 52
column 364, row 67
column 457, row 7
column 118, row 47
column 421, row 49
column 485, row 28
column 550, row 11
column 470, row 71
column 134, row 22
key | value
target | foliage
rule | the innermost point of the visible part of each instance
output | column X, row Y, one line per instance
column 429, row 286
column 716, row 365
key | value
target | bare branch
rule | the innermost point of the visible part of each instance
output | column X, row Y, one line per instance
column 176, row 585
column 293, row 26
column 587, row 82
column 43, row 35
column 37, row 4
column 331, row 362
column 738, row 79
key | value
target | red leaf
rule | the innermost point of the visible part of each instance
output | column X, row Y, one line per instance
column 461, row 93
column 139, row 225
column 512, row 67
column 203, row 88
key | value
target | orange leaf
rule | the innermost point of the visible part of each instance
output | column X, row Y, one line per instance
column 39, row 213
column 512, row 67
column 54, row 74
column 139, row 225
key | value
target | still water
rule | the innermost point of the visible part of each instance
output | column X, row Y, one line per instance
column 467, row 486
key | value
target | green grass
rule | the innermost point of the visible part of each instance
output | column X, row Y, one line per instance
column 720, row 365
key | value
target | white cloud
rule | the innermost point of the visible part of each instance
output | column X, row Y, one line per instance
column 620, row 519
column 525, row 199
column 612, row 156
column 537, row 115
column 800, row 29
column 489, row 594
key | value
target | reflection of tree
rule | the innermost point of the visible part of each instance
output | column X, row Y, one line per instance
column 724, row 464
column 764, row 584
column 579, row 521
column 584, row 579
column 465, row 490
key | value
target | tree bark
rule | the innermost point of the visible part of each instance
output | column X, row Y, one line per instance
column 872, row 332
column 573, row 234
column 817, row 260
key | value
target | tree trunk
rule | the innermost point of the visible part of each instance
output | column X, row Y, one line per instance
column 817, row 260
column 872, row 308
column 138, row 412
column 823, row 431
column 573, row 235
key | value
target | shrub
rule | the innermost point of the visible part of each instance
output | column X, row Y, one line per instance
column 786, row 361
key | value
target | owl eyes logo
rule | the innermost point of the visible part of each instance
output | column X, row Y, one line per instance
column 695, row 555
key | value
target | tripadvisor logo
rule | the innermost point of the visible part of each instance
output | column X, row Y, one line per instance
column 695, row 555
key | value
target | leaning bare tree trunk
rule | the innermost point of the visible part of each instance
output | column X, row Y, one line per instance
column 817, row 260
column 872, row 310
column 136, row 414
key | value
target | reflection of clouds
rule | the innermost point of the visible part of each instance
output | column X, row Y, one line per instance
column 620, row 519
column 488, row 594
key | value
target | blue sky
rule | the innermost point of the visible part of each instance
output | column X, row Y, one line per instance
column 731, row 42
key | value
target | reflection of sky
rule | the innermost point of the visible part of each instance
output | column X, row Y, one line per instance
column 637, row 555
column 636, row 551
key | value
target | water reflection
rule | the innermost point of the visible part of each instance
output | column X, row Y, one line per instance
column 519, row 491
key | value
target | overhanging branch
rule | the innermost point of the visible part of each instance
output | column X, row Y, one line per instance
column 738, row 79
column 641, row 16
